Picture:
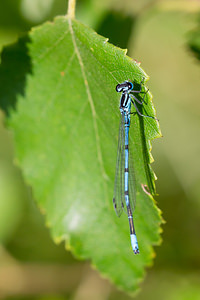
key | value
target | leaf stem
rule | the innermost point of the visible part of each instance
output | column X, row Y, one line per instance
column 71, row 9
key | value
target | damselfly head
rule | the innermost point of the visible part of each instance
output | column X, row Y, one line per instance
column 126, row 86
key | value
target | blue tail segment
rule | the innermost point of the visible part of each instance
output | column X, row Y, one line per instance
column 134, row 243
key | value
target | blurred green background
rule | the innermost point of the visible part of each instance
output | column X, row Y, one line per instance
column 164, row 36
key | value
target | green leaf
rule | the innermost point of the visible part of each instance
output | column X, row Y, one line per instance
column 66, row 130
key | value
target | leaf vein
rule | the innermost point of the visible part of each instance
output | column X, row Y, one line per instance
column 53, row 45
column 94, row 115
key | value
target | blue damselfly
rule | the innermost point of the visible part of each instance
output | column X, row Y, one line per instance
column 124, row 191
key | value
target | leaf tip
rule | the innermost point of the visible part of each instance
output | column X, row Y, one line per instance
column 67, row 245
column 57, row 240
column 137, row 62
column 106, row 40
column 125, row 51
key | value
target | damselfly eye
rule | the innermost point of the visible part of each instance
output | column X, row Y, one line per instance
column 124, row 87
column 130, row 85
column 118, row 88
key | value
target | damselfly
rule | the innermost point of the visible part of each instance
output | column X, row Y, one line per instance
column 124, row 191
